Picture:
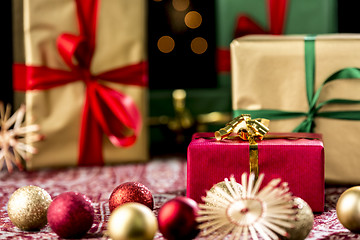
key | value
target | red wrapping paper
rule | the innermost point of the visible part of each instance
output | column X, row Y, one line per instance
column 300, row 162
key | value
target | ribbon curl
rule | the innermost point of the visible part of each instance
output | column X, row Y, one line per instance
column 250, row 130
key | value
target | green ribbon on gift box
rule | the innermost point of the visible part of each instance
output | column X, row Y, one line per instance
column 314, row 107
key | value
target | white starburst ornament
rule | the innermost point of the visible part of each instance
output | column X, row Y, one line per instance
column 245, row 211
column 13, row 144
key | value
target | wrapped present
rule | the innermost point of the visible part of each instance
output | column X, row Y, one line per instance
column 236, row 18
column 296, row 158
column 304, row 84
column 85, row 79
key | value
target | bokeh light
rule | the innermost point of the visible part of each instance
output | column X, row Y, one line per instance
column 199, row 45
column 193, row 19
column 180, row 5
column 166, row 44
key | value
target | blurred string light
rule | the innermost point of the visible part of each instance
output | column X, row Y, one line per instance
column 180, row 14
column 193, row 19
column 180, row 5
column 199, row 45
column 166, row 44
column 181, row 45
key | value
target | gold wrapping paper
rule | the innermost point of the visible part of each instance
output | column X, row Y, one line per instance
column 120, row 41
column 272, row 70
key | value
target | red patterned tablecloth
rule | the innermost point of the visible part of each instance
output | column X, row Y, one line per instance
column 165, row 177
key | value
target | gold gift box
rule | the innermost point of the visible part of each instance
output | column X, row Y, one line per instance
column 268, row 72
column 120, row 41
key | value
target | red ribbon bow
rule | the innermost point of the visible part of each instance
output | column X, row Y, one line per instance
column 245, row 25
column 105, row 110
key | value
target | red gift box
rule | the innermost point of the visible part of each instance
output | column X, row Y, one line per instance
column 297, row 160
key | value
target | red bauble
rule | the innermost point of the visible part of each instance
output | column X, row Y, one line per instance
column 131, row 192
column 177, row 219
column 70, row 215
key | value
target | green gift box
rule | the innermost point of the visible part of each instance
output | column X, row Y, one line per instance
column 301, row 17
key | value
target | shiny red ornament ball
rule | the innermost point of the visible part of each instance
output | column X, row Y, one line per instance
column 177, row 219
column 131, row 192
column 70, row 215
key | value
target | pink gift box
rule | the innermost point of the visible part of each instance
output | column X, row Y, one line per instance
column 299, row 161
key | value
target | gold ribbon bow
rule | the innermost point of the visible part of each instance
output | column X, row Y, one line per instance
column 247, row 129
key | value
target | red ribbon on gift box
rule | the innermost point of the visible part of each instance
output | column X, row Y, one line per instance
column 245, row 25
column 105, row 110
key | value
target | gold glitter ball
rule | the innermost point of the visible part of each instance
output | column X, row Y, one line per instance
column 27, row 208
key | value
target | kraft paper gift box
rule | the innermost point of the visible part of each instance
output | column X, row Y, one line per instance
column 304, row 83
column 85, row 81
column 299, row 162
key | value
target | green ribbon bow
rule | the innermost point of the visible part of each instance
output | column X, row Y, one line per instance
column 314, row 107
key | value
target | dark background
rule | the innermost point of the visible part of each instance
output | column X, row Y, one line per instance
column 6, row 94
column 348, row 16
column 181, row 68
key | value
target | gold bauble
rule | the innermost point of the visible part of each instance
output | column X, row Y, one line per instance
column 348, row 209
column 304, row 220
column 222, row 186
column 132, row 221
column 27, row 208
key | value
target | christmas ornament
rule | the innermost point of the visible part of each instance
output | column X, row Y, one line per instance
column 27, row 208
column 13, row 144
column 304, row 220
column 132, row 221
column 348, row 209
column 248, row 212
column 223, row 185
column 177, row 219
column 131, row 192
column 70, row 215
